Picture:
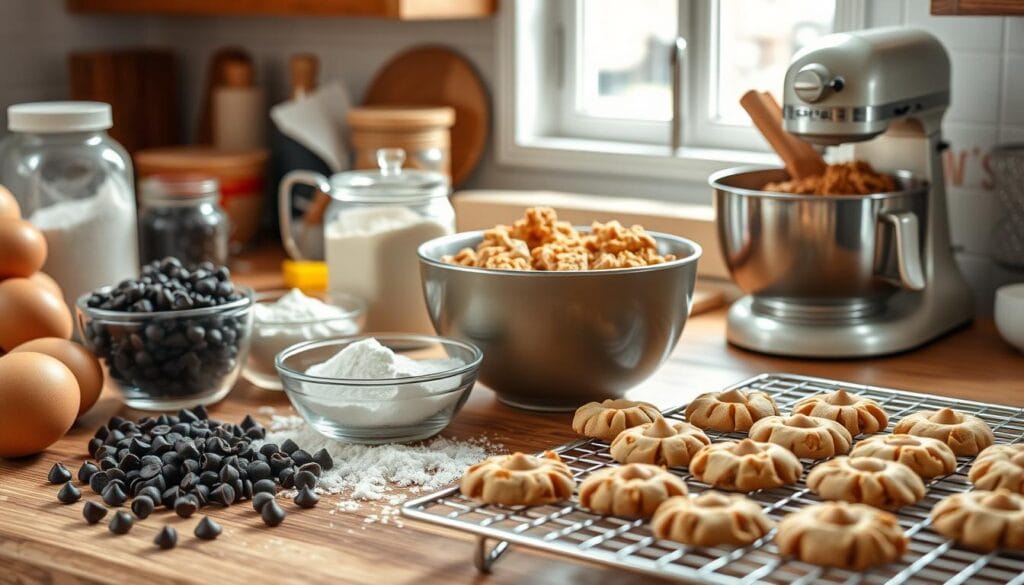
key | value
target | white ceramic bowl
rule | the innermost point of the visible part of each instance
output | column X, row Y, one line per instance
column 1010, row 314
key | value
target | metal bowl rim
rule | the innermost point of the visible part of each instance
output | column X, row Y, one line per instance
column 715, row 182
column 478, row 234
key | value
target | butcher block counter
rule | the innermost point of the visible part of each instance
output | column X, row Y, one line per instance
column 42, row 541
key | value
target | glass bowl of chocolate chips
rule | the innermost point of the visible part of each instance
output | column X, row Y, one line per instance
column 175, row 337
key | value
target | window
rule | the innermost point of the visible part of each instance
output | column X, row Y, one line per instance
column 631, row 76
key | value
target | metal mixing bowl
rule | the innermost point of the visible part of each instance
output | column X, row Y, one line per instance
column 848, row 251
column 555, row 340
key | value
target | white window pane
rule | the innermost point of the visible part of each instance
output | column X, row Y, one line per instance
column 624, row 69
column 756, row 40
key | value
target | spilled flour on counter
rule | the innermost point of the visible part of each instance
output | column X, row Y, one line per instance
column 371, row 473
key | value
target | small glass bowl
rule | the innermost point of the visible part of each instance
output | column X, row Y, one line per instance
column 166, row 360
column 271, row 338
column 375, row 411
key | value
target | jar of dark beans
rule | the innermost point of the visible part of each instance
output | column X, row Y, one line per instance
column 181, row 217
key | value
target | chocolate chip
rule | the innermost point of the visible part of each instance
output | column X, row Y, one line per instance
column 69, row 494
column 207, row 529
column 264, row 486
column 121, row 523
column 305, row 479
column 223, row 494
column 306, row 498
column 260, row 499
column 154, row 494
column 272, row 513
column 167, row 538
column 287, row 478
column 93, row 512
column 228, row 474
column 86, row 471
column 114, row 494
column 143, row 506
column 268, row 449
column 323, row 458
column 58, row 474
column 98, row 482
column 185, row 506
column 301, row 457
column 288, row 447
column 259, row 470
column 313, row 468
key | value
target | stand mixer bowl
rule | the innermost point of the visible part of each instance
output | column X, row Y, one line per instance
column 810, row 257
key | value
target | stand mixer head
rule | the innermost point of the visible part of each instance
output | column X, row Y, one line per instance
column 850, row 275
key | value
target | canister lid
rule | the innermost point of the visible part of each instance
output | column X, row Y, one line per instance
column 58, row 117
column 389, row 183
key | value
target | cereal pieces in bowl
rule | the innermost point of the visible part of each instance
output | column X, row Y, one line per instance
column 392, row 388
column 174, row 338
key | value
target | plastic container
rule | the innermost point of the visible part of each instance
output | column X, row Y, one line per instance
column 397, row 410
column 75, row 184
column 181, row 216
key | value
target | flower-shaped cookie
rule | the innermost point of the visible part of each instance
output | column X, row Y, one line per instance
column 605, row 420
column 856, row 413
column 806, row 436
column 745, row 466
column 837, row 534
column 925, row 456
column 634, row 490
column 730, row 411
column 999, row 466
column 519, row 479
column 865, row 480
column 660, row 442
column 965, row 434
column 711, row 519
column 982, row 520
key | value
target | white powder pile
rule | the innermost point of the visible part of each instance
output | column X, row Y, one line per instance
column 384, row 405
column 371, row 472
column 296, row 307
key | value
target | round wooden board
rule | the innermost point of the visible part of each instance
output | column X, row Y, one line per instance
column 437, row 76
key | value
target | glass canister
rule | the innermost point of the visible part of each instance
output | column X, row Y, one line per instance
column 372, row 228
column 180, row 216
column 73, row 182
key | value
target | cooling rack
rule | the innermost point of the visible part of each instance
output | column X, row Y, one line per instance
column 574, row 532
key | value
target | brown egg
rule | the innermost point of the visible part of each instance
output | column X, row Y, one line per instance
column 46, row 281
column 22, row 248
column 38, row 402
column 29, row 312
column 8, row 204
column 79, row 360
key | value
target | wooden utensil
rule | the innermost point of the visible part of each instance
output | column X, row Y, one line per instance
column 800, row 158
column 437, row 76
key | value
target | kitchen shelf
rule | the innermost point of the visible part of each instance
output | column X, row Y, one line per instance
column 388, row 9
column 978, row 7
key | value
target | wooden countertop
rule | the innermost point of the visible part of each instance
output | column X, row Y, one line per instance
column 43, row 541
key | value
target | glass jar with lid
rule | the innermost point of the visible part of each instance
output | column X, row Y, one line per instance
column 74, row 183
column 372, row 228
column 180, row 216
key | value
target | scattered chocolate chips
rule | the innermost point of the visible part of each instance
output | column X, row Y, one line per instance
column 272, row 513
column 93, row 512
column 185, row 506
column 264, row 485
column 260, row 499
column 207, row 529
column 142, row 506
column 323, row 458
column 114, row 494
column 306, row 498
column 167, row 538
column 58, row 474
column 86, row 471
column 69, row 494
column 305, row 479
column 121, row 523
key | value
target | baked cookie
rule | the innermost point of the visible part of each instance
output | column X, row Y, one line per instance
column 925, row 456
column 745, row 466
column 605, row 420
column 519, row 479
column 982, row 520
column 858, row 414
column 731, row 410
column 865, row 480
column 661, row 442
column 838, row 534
column 999, row 466
column 634, row 490
column 965, row 434
column 810, row 437
column 711, row 519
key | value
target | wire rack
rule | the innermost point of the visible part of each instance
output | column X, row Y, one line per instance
column 574, row 532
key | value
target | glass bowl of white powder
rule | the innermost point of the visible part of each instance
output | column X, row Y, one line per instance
column 391, row 388
column 283, row 318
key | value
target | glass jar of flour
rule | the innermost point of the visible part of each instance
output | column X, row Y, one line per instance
column 74, row 183
column 372, row 228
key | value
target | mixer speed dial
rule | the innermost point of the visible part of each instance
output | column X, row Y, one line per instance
column 813, row 81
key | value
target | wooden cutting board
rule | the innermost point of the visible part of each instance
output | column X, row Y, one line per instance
column 438, row 76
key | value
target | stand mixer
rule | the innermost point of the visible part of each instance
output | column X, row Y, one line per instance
column 850, row 275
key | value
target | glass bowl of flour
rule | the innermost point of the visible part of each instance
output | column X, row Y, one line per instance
column 283, row 318
column 389, row 388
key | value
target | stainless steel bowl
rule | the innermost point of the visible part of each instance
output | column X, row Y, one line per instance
column 802, row 252
column 555, row 340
